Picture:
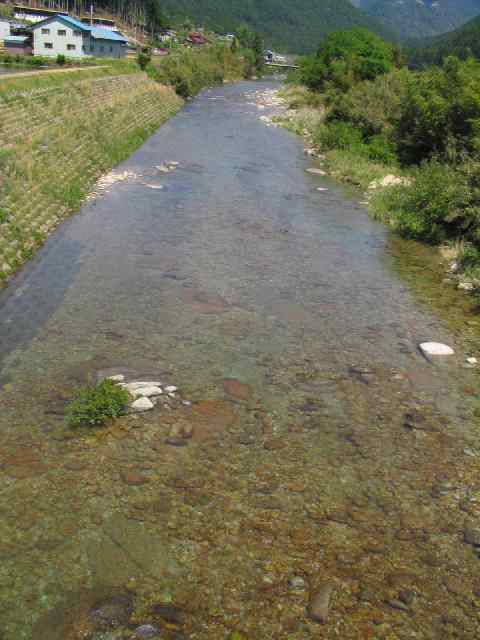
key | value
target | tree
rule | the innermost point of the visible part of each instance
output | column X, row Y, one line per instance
column 347, row 57
column 257, row 47
column 155, row 18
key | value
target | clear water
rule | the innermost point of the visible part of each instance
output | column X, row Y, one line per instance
column 348, row 459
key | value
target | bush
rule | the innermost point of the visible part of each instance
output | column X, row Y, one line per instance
column 61, row 59
column 338, row 135
column 440, row 113
column 439, row 203
column 144, row 58
column 95, row 405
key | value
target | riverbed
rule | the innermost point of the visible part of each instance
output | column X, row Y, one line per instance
column 326, row 450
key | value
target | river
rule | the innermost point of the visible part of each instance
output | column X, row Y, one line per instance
column 326, row 449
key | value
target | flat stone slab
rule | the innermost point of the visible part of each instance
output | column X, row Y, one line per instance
column 431, row 349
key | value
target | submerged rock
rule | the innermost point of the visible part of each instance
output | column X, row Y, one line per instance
column 471, row 532
column 319, row 606
column 316, row 172
column 237, row 389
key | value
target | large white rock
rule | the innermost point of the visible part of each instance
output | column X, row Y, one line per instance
column 142, row 404
column 147, row 392
column 436, row 349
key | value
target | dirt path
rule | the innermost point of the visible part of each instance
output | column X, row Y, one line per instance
column 26, row 74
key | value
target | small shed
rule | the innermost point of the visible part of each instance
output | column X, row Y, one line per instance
column 18, row 45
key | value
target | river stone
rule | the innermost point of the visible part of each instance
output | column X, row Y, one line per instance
column 142, row 404
column 432, row 349
column 316, row 172
column 133, row 386
column 146, row 631
column 319, row 605
column 471, row 532
column 148, row 392
column 237, row 389
column 118, row 378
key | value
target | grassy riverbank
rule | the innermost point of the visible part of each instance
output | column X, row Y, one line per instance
column 410, row 140
column 57, row 136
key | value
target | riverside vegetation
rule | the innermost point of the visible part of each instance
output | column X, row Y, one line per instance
column 59, row 133
column 373, row 117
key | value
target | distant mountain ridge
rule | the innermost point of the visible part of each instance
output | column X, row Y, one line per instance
column 463, row 42
column 297, row 27
column 420, row 18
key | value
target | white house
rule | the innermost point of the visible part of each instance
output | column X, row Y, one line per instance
column 69, row 37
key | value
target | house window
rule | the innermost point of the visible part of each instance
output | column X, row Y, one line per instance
column 71, row 47
column 78, row 34
column 48, row 45
column 45, row 32
column 62, row 32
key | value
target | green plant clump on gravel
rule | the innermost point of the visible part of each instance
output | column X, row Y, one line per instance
column 93, row 406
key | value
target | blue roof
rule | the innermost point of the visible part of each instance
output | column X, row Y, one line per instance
column 107, row 34
column 74, row 23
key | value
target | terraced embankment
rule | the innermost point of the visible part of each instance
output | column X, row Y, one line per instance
column 54, row 144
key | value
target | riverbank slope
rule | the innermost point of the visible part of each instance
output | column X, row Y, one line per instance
column 55, row 143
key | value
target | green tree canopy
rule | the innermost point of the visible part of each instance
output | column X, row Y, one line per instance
column 346, row 57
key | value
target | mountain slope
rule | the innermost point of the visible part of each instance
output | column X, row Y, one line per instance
column 289, row 26
column 420, row 18
column 463, row 42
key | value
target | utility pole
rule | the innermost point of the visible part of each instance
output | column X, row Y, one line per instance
column 91, row 14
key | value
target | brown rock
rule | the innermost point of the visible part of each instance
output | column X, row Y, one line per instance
column 133, row 478
column 237, row 389
column 319, row 606
column 274, row 444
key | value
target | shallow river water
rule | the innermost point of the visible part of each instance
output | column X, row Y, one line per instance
column 326, row 450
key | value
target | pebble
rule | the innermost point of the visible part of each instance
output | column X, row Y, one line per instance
column 142, row 404
column 472, row 360
column 297, row 583
column 397, row 604
column 133, row 478
column 319, row 605
column 436, row 349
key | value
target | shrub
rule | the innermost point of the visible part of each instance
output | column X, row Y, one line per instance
column 439, row 203
column 93, row 406
column 338, row 135
column 440, row 113
column 144, row 58
column 61, row 59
